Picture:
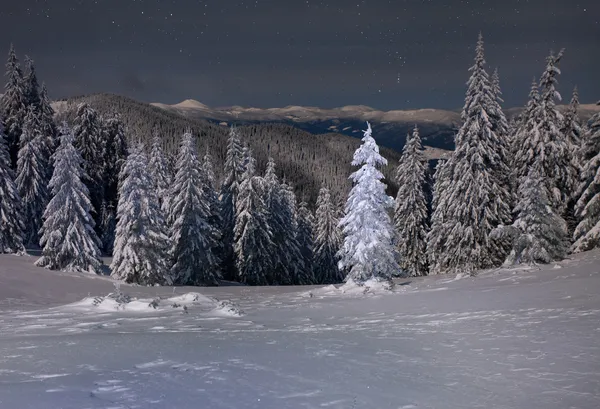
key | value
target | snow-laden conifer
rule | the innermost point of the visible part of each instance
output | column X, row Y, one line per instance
column 215, row 220
column 368, row 250
column 253, row 238
column 141, row 244
column 306, row 239
column 114, row 157
column 68, row 239
column 108, row 227
column 298, row 272
column 32, row 87
column 436, row 237
column 90, row 142
column 189, row 218
column 410, row 215
column 14, row 104
column 233, row 171
column 32, row 177
column 11, row 226
column 475, row 197
column 159, row 167
column 587, row 209
column 48, row 126
column 538, row 234
column 328, row 240
column 523, row 145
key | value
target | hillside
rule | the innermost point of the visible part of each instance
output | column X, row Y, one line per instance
column 305, row 159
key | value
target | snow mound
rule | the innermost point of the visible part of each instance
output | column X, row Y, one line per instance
column 371, row 286
column 191, row 299
column 229, row 309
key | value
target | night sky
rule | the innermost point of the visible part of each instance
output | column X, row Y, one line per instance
column 394, row 54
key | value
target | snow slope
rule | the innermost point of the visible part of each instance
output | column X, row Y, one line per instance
column 524, row 338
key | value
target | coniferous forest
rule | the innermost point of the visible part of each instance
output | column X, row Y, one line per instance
column 181, row 202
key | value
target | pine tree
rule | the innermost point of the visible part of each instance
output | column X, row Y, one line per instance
column 538, row 234
column 550, row 145
column 306, row 236
column 14, row 104
column 108, row 227
column 234, row 169
column 410, row 216
column 11, row 228
column 32, row 177
column 253, row 238
column 438, row 232
column 48, row 126
column 89, row 141
column 32, row 87
column 328, row 240
column 115, row 157
column 189, row 217
column 141, row 243
column 368, row 250
column 587, row 209
column 68, row 238
column 296, row 268
column 214, row 219
column 159, row 168
column 475, row 199
column 524, row 147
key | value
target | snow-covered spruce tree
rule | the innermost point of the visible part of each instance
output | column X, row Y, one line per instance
column 306, row 239
column 476, row 199
column 32, row 177
column 524, row 146
column 191, row 233
column 368, row 251
column 114, row 157
column 587, row 209
column 141, row 244
column 11, row 228
column 328, row 240
column 108, row 227
column 14, row 104
column 49, row 130
column 69, row 241
column 538, row 234
column 410, row 215
column 211, row 197
column 299, row 274
column 159, row 167
column 234, row 169
column 90, row 142
column 253, row 238
column 550, row 145
column 32, row 87
column 438, row 232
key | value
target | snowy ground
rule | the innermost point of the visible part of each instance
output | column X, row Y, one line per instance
column 507, row 339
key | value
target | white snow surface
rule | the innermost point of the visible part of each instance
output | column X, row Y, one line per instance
column 509, row 338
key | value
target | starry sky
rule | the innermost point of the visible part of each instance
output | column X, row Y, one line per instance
column 388, row 54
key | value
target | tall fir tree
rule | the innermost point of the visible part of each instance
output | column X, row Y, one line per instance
column 32, row 177
column 368, row 251
column 306, row 239
column 189, row 217
column 141, row 244
column 551, row 146
column 11, row 228
column 573, row 131
column 14, row 105
column 587, row 208
column 476, row 199
column 439, row 218
column 115, row 156
column 299, row 274
column 68, row 240
column 524, row 147
column 211, row 197
column 49, row 129
column 538, row 235
column 234, row 169
column 328, row 240
column 32, row 87
column 410, row 215
column 90, row 142
column 161, row 174
column 253, row 238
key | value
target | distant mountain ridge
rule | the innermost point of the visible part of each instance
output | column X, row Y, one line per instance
column 437, row 126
